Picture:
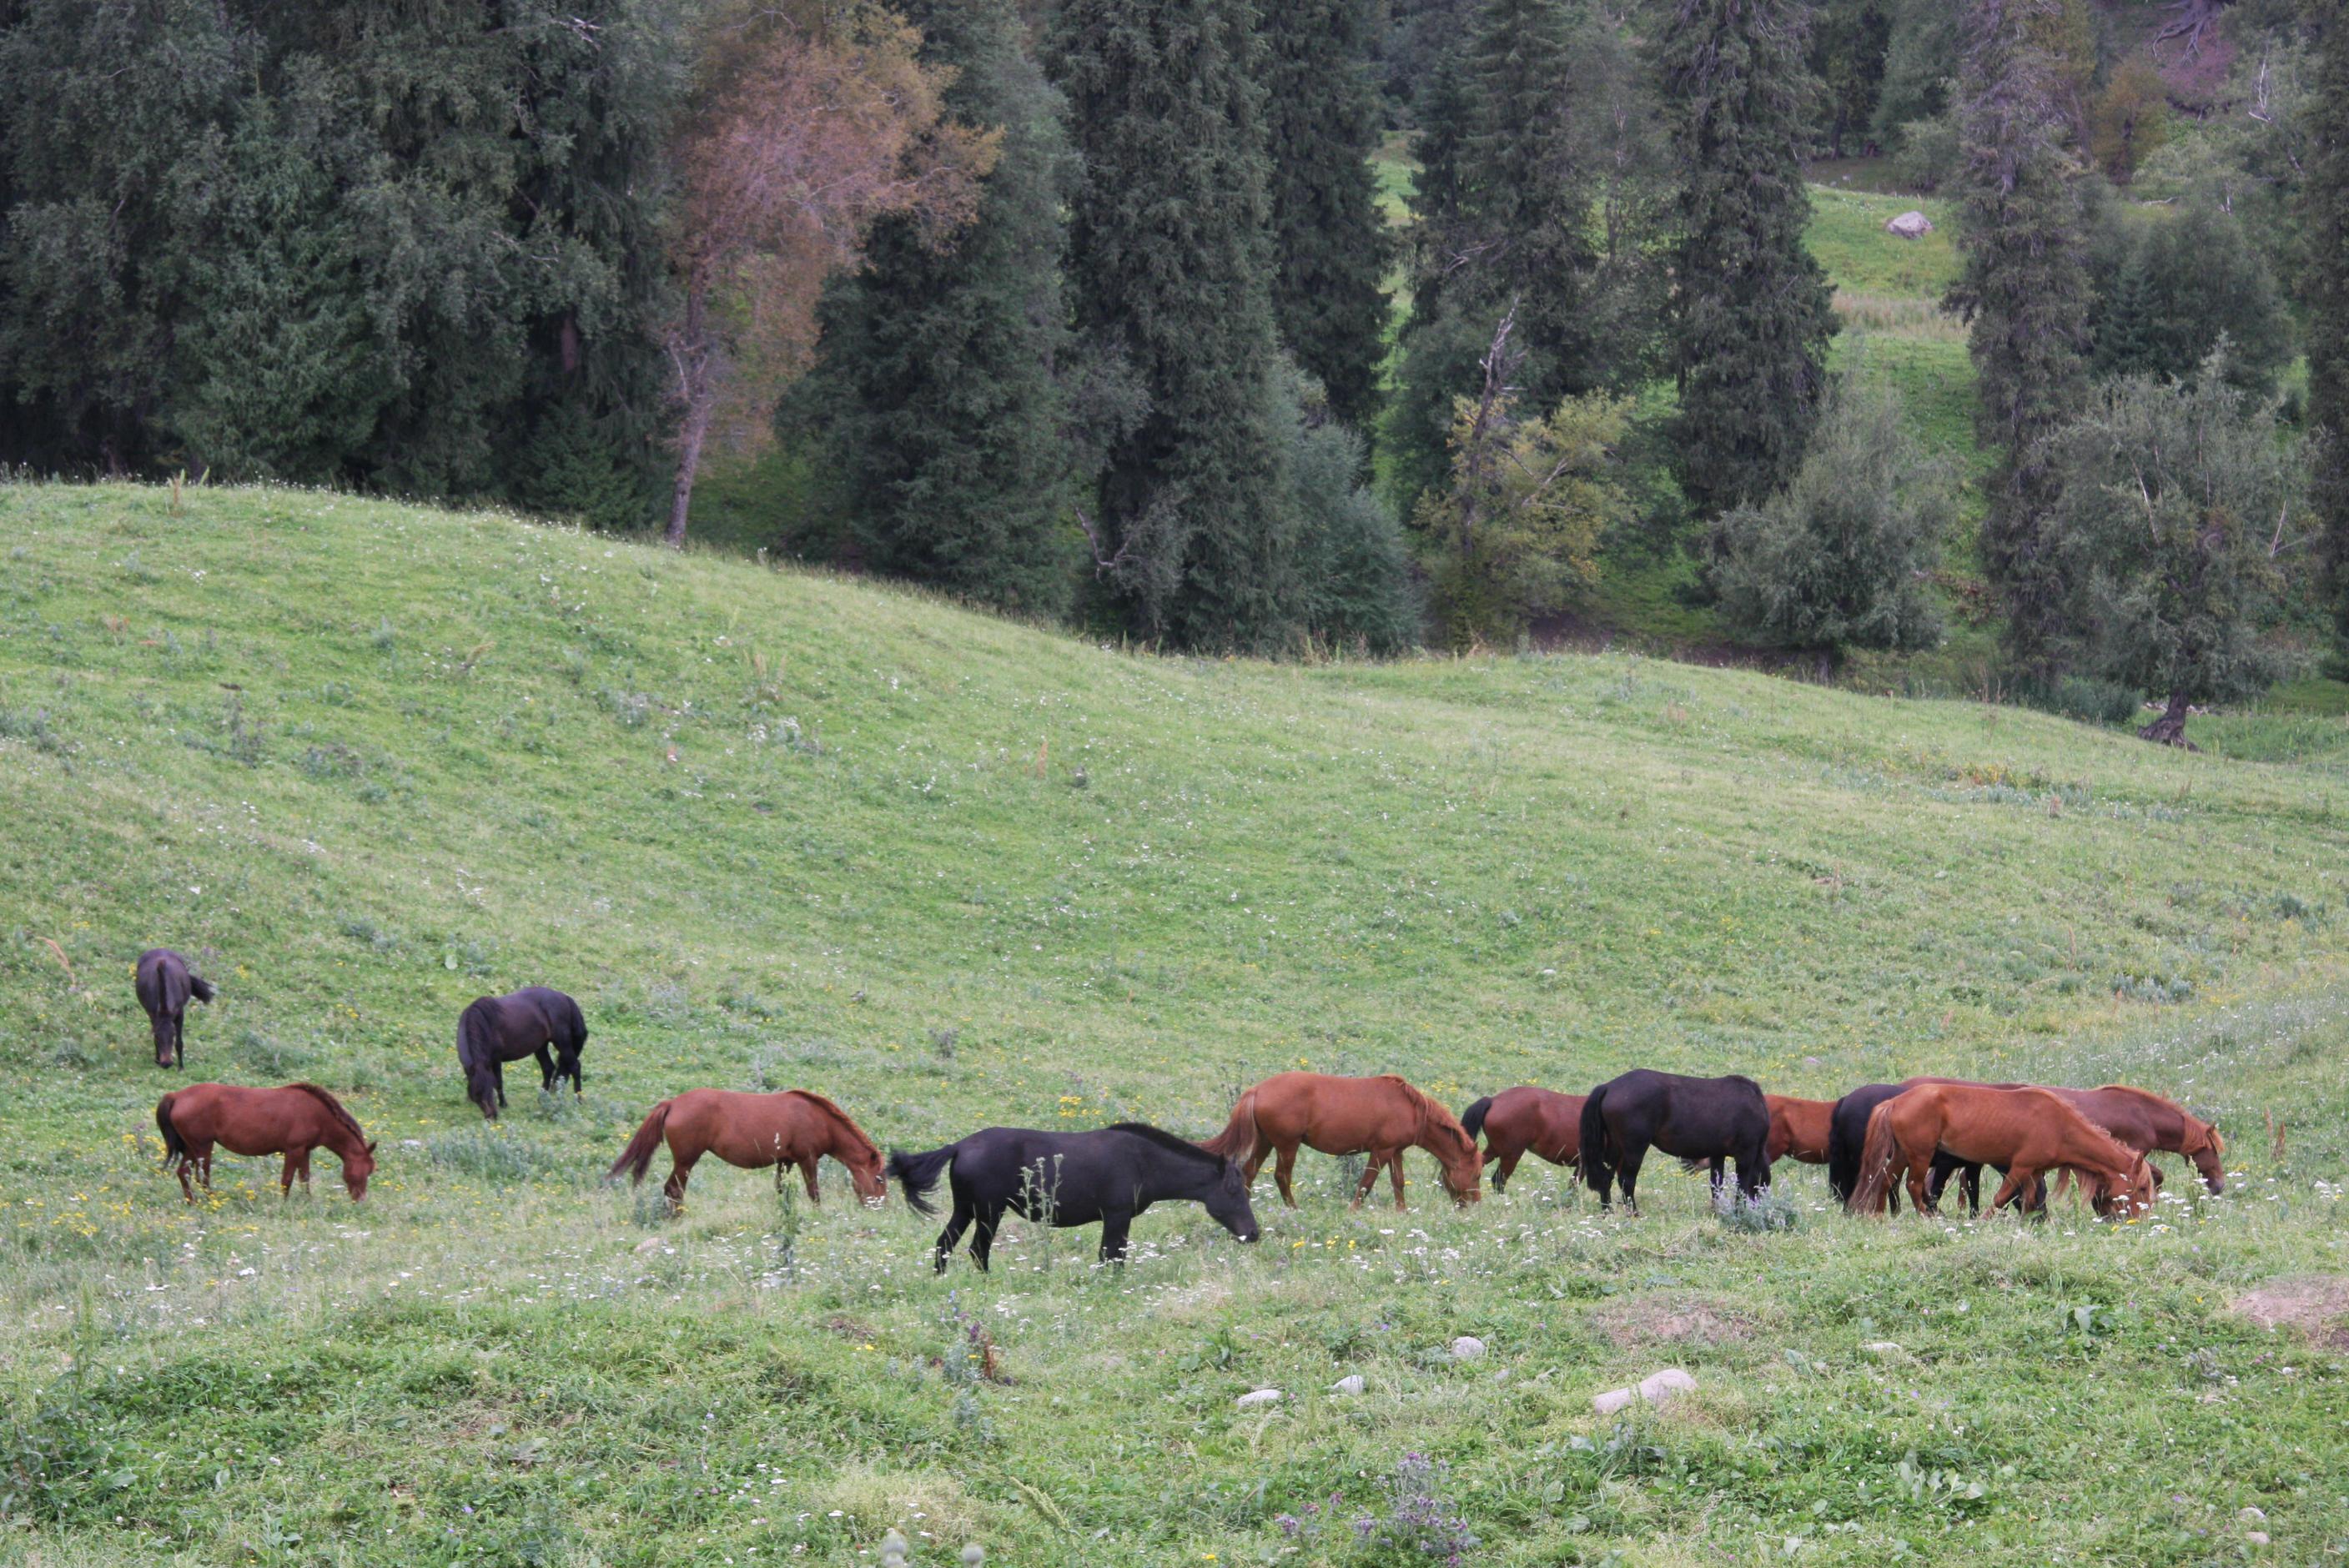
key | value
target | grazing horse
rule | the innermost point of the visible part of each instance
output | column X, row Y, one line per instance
column 165, row 985
column 292, row 1121
column 1714, row 1120
column 1526, row 1121
column 2139, row 1119
column 1798, row 1128
column 1063, row 1179
column 2026, row 1131
column 753, row 1131
column 496, row 1030
column 1380, row 1117
column 1847, row 1133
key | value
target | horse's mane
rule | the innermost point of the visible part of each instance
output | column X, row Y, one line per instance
column 333, row 1107
column 847, row 1122
column 1434, row 1111
column 1164, row 1139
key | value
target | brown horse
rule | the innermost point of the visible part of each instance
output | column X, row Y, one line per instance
column 1526, row 1121
column 1798, row 1128
column 1380, row 1117
column 292, row 1121
column 2137, row 1118
column 753, row 1131
column 2026, row 1131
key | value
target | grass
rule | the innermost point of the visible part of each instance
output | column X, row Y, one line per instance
column 364, row 762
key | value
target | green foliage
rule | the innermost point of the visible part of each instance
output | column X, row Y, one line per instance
column 1849, row 42
column 244, row 239
column 2024, row 290
column 1921, row 61
column 2170, row 502
column 2324, row 289
column 2169, row 285
column 1330, row 238
column 935, row 390
column 1931, row 153
column 1166, row 110
column 1353, row 566
column 1751, row 304
column 1838, row 557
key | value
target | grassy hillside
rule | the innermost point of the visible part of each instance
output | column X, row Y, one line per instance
column 364, row 762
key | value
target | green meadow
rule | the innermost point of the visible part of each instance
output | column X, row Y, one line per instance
column 773, row 829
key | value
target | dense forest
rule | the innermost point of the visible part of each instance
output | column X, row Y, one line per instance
column 1332, row 324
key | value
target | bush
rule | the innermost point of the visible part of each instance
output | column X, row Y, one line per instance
column 2092, row 701
column 1839, row 558
column 1351, row 557
column 491, row 1155
column 1929, row 155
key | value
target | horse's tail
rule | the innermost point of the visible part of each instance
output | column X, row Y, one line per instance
column 202, row 989
column 917, row 1174
column 637, row 1157
column 1593, row 1159
column 175, row 1148
column 1875, row 1162
column 1472, row 1120
column 1236, row 1141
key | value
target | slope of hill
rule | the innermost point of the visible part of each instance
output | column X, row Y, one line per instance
column 364, row 762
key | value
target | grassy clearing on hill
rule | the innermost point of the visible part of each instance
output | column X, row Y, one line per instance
column 364, row 762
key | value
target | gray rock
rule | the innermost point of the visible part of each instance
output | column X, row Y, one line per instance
column 1669, row 1384
column 1351, row 1384
column 1909, row 226
column 1258, row 1397
column 2252, row 1516
column 1612, row 1400
column 1468, row 1347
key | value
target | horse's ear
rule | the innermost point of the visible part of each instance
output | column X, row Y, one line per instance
column 370, row 1148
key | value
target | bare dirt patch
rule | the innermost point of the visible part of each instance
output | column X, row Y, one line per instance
column 2317, row 1306
column 1685, row 1319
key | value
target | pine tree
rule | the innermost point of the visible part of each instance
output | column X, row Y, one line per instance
column 1329, row 236
column 2025, row 290
column 935, row 383
column 1752, row 313
column 1169, row 265
column 2324, row 286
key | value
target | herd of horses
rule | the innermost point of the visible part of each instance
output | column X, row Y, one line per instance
column 1873, row 1141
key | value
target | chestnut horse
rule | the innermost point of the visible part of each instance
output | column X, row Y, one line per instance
column 166, row 986
column 753, row 1131
column 1526, row 1121
column 292, row 1121
column 1380, row 1117
column 1798, row 1128
column 2026, row 1131
column 2137, row 1118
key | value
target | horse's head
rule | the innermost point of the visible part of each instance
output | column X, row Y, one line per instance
column 1463, row 1164
column 2128, row 1193
column 2209, row 1152
column 356, row 1169
column 867, row 1176
column 1227, row 1202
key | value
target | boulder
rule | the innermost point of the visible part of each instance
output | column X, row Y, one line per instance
column 1468, row 1347
column 1909, row 226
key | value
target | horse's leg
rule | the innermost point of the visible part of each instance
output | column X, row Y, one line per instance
column 1115, row 1229
column 1628, row 1174
column 286, row 1177
column 1370, row 1178
column 681, row 1172
column 1973, row 1180
column 1284, row 1166
column 498, row 1072
column 1919, row 1198
column 807, row 1174
column 2018, row 1180
column 545, row 1068
column 179, row 1039
column 957, row 1222
column 1394, row 1170
column 982, row 1238
column 187, row 1189
column 1508, row 1168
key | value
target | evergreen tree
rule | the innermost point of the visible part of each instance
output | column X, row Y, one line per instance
column 1169, row 263
column 1849, row 40
column 935, row 385
column 1329, row 236
column 2324, row 286
column 2025, row 290
column 2169, row 283
column 1753, row 314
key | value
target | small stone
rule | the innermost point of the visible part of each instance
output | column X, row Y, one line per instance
column 1351, row 1384
column 650, row 1244
column 1612, row 1400
column 1909, row 225
column 411, row 1143
column 2256, row 1537
column 972, row 1556
column 2252, row 1516
column 1667, row 1385
column 1885, row 1350
column 1258, row 1397
column 1468, row 1347
column 893, row 1548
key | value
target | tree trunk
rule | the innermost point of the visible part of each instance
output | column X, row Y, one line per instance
column 688, row 459
column 2169, row 729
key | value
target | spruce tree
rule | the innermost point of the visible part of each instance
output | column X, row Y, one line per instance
column 1328, row 237
column 2024, row 289
column 1753, row 311
column 935, row 383
column 2324, row 286
column 1169, row 265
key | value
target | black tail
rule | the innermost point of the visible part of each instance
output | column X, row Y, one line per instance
column 202, row 989
column 1473, row 1119
column 1596, row 1167
column 917, row 1174
column 175, row 1148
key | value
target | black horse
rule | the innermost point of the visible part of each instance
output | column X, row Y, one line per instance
column 1065, row 1179
column 1848, row 1132
column 533, row 1021
column 165, row 983
column 1713, row 1120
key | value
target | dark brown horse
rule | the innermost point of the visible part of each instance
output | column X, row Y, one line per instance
column 292, row 1121
column 166, row 985
column 753, row 1131
column 2026, row 1132
column 1380, row 1117
column 1526, row 1121
column 496, row 1030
